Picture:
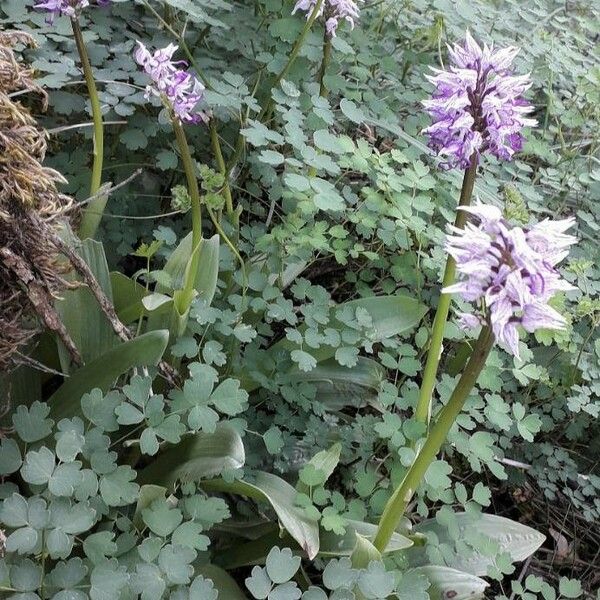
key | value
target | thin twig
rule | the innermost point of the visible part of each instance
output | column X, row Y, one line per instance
column 105, row 190
column 39, row 296
column 105, row 304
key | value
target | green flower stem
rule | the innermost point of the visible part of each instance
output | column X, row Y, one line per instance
column 265, row 114
column 324, row 64
column 194, row 191
column 423, row 409
column 321, row 78
column 181, row 41
column 232, row 247
column 399, row 500
column 214, row 137
column 216, row 147
column 92, row 214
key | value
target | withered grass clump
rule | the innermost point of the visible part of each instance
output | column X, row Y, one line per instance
column 30, row 272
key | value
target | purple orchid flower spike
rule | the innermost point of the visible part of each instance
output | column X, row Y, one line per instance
column 181, row 89
column 335, row 10
column 477, row 106
column 69, row 8
column 510, row 271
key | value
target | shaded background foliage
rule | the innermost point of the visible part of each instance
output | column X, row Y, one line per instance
column 371, row 224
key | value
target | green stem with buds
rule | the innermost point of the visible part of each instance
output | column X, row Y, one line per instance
column 92, row 214
column 324, row 64
column 266, row 112
column 216, row 147
column 423, row 409
column 396, row 506
column 194, row 191
column 292, row 58
column 321, row 78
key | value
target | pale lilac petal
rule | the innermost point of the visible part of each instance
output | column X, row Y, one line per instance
column 335, row 10
column 468, row 321
column 68, row 8
column 541, row 316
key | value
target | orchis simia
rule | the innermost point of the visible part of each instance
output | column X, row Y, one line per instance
column 180, row 91
column 477, row 108
column 92, row 213
column 510, row 273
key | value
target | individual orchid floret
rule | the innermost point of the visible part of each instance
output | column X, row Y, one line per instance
column 510, row 272
column 171, row 82
column 477, row 106
column 334, row 10
column 69, row 8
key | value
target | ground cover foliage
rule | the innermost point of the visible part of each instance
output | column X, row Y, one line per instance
column 262, row 473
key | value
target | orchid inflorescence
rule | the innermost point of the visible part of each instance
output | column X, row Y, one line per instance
column 336, row 11
column 69, row 8
column 176, row 85
column 477, row 106
column 510, row 272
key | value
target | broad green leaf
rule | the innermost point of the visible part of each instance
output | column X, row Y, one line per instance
column 282, row 497
column 451, row 583
column 325, row 463
column 204, row 589
column 390, row 315
column 364, row 552
column 259, row 583
column 118, row 488
column 127, row 297
column 22, row 540
column 100, row 373
column 343, row 545
column 79, row 310
column 569, row 588
column 518, row 540
column 161, row 517
column 331, row 545
column 222, row 581
column 196, row 457
column 100, row 545
column 339, row 387
column 205, row 282
column 38, row 466
column 375, row 581
column 352, row 111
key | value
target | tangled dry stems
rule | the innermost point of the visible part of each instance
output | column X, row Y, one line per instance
column 31, row 275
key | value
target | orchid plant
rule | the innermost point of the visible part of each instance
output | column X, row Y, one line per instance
column 504, row 275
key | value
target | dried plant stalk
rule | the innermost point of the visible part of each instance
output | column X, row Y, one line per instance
column 30, row 272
